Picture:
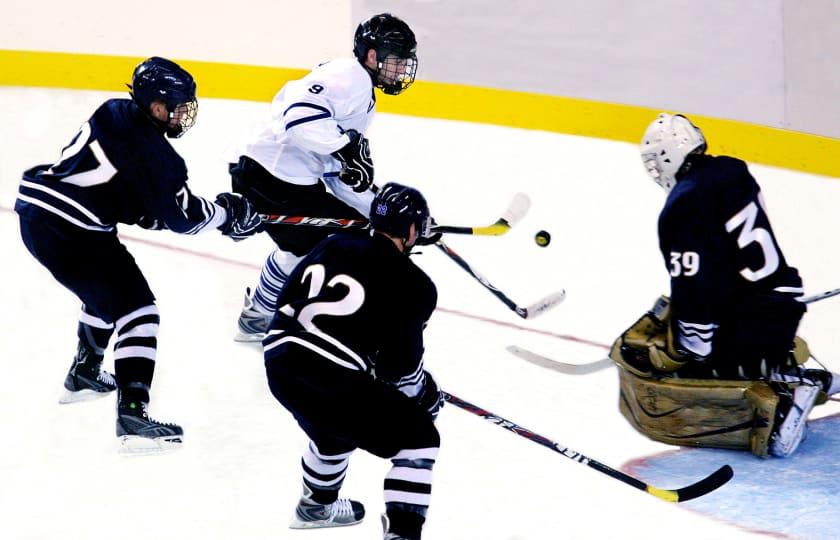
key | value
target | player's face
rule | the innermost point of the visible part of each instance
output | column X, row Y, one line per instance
column 398, row 71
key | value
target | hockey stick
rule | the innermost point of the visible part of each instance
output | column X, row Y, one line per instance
column 517, row 208
column 554, row 365
column 697, row 489
column 818, row 297
column 535, row 309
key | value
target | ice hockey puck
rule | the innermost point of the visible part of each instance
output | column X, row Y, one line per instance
column 542, row 238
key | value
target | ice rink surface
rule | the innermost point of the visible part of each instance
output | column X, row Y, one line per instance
column 238, row 475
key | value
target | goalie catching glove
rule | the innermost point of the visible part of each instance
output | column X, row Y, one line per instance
column 356, row 163
column 242, row 218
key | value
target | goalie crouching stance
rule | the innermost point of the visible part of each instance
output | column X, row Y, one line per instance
column 717, row 364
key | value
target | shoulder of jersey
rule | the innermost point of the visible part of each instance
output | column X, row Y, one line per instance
column 344, row 75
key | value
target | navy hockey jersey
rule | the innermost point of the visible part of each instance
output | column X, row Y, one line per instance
column 721, row 253
column 361, row 303
column 117, row 169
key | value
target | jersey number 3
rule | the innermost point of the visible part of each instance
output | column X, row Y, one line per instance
column 749, row 234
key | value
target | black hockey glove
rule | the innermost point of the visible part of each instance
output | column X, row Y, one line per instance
column 427, row 237
column 151, row 224
column 430, row 397
column 242, row 219
column 356, row 164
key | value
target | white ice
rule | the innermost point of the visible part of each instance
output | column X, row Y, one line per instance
column 238, row 475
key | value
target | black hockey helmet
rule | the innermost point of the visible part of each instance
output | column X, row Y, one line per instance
column 388, row 36
column 159, row 79
column 396, row 207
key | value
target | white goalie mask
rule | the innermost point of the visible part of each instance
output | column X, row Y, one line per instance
column 665, row 145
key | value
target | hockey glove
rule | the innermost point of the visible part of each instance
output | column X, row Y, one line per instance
column 151, row 224
column 430, row 398
column 242, row 219
column 426, row 237
column 356, row 164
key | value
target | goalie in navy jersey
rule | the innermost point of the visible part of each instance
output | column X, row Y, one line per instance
column 311, row 158
column 734, row 305
column 119, row 168
column 344, row 354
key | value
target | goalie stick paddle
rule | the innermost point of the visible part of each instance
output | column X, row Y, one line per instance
column 517, row 208
column 697, row 489
column 535, row 309
column 561, row 367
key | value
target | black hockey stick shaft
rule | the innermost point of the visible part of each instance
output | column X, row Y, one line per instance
column 531, row 311
column 698, row 489
column 480, row 278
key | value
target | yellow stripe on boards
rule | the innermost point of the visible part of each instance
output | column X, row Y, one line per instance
column 750, row 142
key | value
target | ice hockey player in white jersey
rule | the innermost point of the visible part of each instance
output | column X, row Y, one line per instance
column 312, row 158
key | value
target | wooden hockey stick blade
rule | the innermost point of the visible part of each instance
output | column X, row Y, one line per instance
column 561, row 367
column 697, row 489
column 538, row 308
column 516, row 210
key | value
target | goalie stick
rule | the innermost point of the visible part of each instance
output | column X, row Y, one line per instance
column 598, row 365
column 517, row 208
column 818, row 297
column 562, row 367
column 535, row 309
column 697, row 489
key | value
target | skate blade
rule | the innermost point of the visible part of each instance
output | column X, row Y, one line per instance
column 242, row 337
column 133, row 445
column 298, row 524
column 70, row 396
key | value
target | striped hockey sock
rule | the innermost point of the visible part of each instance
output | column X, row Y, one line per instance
column 275, row 272
column 135, row 352
column 408, row 489
column 324, row 473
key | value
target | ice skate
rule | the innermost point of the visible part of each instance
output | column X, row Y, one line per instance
column 312, row 515
column 252, row 324
column 86, row 380
column 792, row 419
column 139, row 434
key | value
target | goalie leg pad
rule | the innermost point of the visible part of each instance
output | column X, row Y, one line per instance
column 736, row 415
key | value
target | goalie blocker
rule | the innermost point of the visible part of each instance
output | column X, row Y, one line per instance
column 711, row 413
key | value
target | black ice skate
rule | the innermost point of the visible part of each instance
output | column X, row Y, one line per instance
column 312, row 515
column 86, row 380
column 139, row 434
column 386, row 525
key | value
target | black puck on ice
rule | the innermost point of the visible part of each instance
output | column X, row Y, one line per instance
column 542, row 238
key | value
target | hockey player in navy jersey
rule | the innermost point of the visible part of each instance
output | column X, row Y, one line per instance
column 734, row 307
column 119, row 168
column 312, row 157
column 344, row 354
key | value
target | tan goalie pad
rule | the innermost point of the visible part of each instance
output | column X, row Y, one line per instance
column 695, row 412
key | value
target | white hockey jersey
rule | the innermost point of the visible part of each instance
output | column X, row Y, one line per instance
column 308, row 118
